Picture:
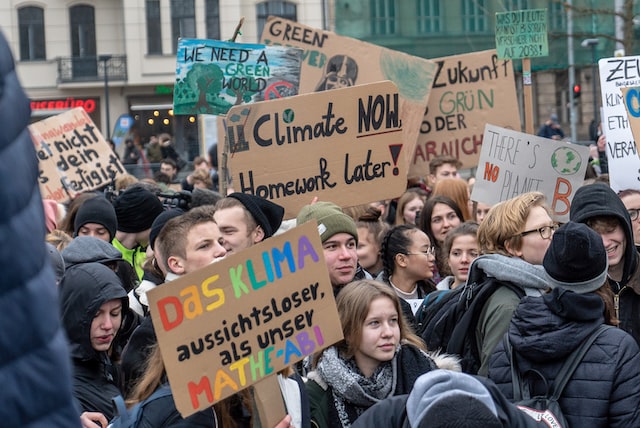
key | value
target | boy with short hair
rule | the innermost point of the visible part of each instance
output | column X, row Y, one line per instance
column 245, row 220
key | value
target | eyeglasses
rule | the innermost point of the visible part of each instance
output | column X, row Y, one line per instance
column 544, row 231
column 431, row 251
column 633, row 213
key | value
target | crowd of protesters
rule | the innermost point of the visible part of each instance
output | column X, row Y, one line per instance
column 85, row 335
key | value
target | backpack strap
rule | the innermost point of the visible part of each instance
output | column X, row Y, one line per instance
column 121, row 408
column 564, row 374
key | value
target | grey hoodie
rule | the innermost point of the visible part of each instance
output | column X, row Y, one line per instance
column 87, row 249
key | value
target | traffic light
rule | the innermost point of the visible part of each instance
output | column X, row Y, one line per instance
column 577, row 91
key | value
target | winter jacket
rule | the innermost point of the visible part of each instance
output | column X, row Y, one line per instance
column 36, row 386
column 604, row 391
column 597, row 200
column 83, row 289
column 88, row 249
column 496, row 315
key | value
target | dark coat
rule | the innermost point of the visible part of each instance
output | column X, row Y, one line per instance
column 598, row 200
column 83, row 289
column 34, row 358
column 604, row 391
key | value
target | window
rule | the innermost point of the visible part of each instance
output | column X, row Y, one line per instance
column 83, row 31
column 428, row 16
column 31, row 25
column 283, row 9
column 154, row 29
column 557, row 17
column 183, row 21
column 383, row 16
column 518, row 5
column 212, row 9
column 474, row 19
column 83, row 42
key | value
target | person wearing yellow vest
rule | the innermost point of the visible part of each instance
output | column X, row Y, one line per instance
column 136, row 208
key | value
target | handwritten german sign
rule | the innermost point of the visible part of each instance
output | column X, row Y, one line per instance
column 237, row 321
column 343, row 146
column 213, row 76
column 513, row 163
column 622, row 150
column 73, row 155
column 468, row 91
column 331, row 61
column 522, row 34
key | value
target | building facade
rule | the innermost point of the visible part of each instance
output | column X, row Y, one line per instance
column 438, row 28
column 116, row 58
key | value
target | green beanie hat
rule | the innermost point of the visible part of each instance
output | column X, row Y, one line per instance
column 331, row 220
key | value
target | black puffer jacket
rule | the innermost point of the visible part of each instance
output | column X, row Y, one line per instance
column 604, row 391
column 597, row 200
column 83, row 289
column 34, row 358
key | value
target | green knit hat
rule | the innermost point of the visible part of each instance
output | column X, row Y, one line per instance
column 331, row 220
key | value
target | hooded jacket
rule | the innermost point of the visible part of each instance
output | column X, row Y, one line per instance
column 496, row 314
column 597, row 200
column 83, row 290
column 34, row 359
column 88, row 249
column 604, row 390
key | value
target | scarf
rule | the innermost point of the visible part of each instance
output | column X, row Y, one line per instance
column 353, row 392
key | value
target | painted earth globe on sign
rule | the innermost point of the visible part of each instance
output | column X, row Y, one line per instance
column 566, row 161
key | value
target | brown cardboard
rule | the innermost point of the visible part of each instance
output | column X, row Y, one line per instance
column 330, row 61
column 235, row 308
column 344, row 146
column 73, row 156
column 631, row 98
column 269, row 402
column 468, row 91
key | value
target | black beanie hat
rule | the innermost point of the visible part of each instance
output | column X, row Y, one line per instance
column 96, row 210
column 160, row 221
column 267, row 214
column 576, row 259
column 136, row 208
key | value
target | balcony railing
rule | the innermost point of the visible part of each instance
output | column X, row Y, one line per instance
column 91, row 68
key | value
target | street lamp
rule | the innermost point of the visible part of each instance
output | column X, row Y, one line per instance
column 592, row 43
column 105, row 59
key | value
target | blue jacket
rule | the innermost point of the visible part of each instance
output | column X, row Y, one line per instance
column 34, row 359
column 604, row 391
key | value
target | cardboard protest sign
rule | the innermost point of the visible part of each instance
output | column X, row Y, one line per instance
column 513, row 163
column 622, row 150
column 73, row 156
column 227, row 326
column 213, row 76
column 631, row 97
column 468, row 92
column 331, row 61
column 522, row 34
column 343, row 146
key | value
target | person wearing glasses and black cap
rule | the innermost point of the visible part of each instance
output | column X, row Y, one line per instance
column 600, row 208
column 513, row 239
